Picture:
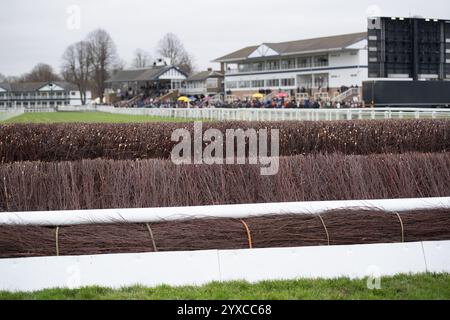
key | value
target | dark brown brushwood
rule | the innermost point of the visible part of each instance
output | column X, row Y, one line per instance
column 69, row 142
column 101, row 184
column 348, row 227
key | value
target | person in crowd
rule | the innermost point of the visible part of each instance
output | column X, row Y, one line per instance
column 316, row 105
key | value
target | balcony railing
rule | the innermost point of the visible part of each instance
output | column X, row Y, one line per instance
column 278, row 68
column 21, row 98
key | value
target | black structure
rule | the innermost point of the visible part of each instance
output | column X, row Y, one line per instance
column 409, row 48
column 423, row 94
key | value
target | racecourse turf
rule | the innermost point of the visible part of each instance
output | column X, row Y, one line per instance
column 86, row 117
column 402, row 287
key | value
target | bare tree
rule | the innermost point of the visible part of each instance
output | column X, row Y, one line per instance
column 2, row 77
column 41, row 73
column 187, row 63
column 171, row 48
column 142, row 59
column 104, row 59
column 13, row 79
column 119, row 66
column 76, row 68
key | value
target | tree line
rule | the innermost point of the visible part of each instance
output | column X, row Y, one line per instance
column 92, row 61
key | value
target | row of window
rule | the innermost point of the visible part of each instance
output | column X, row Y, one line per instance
column 269, row 83
column 36, row 94
column 33, row 104
column 293, row 63
column 209, row 83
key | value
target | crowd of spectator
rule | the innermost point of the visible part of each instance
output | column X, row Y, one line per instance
column 282, row 103
column 153, row 99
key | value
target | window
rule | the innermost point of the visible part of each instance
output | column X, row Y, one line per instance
column 321, row 80
column 273, row 65
column 231, row 84
column 212, row 83
column 244, row 84
column 196, row 85
column 73, row 93
column 304, row 62
column 288, row 64
column 244, row 67
column 273, row 83
column 258, row 66
column 288, row 82
column 321, row 61
column 258, row 84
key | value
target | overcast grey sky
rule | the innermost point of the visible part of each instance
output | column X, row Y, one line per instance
column 33, row 31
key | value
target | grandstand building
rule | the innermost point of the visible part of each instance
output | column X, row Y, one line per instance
column 40, row 95
column 320, row 66
column 205, row 83
column 152, row 82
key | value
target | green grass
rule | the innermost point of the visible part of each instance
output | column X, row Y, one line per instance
column 87, row 117
column 425, row 286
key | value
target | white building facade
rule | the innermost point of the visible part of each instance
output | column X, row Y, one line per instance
column 40, row 95
column 313, row 65
column 205, row 83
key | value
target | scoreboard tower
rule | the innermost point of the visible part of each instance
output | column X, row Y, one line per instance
column 415, row 52
column 413, row 48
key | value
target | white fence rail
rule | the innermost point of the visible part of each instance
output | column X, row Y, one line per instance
column 151, row 215
column 251, row 114
column 201, row 267
column 6, row 114
column 285, row 114
column 87, row 108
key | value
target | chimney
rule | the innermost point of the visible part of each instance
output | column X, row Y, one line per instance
column 209, row 69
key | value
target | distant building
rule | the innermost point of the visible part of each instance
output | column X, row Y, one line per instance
column 40, row 95
column 205, row 83
column 313, row 65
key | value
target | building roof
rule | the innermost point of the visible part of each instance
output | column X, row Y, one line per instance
column 300, row 46
column 34, row 86
column 147, row 74
column 5, row 86
column 202, row 76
